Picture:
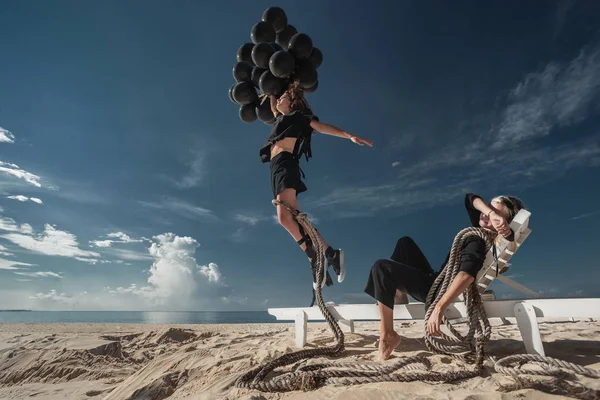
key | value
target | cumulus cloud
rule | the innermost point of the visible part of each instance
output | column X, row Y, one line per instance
column 52, row 241
column 15, row 171
column 173, row 272
column 211, row 271
column 175, row 279
column 6, row 136
column 22, row 198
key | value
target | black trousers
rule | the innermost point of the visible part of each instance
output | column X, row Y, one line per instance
column 408, row 271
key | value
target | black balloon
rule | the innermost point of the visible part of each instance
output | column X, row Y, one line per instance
column 261, row 54
column 244, row 93
column 256, row 73
column 231, row 94
column 244, row 53
column 316, row 57
column 312, row 88
column 269, row 84
column 301, row 45
column 248, row 113
column 277, row 17
column 242, row 71
column 262, row 32
column 276, row 46
column 282, row 64
column 283, row 37
column 306, row 74
column 263, row 111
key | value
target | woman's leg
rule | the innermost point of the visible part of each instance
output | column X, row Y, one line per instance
column 388, row 338
column 385, row 278
column 286, row 219
column 408, row 252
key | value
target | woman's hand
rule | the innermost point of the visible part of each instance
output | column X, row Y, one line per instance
column 361, row 141
column 500, row 224
column 435, row 321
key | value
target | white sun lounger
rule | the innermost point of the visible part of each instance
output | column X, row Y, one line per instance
column 525, row 311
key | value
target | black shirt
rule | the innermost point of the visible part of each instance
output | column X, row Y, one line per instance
column 473, row 254
column 295, row 124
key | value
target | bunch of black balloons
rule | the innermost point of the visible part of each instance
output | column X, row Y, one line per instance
column 277, row 56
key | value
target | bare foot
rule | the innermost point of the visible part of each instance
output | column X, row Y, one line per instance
column 388, row 344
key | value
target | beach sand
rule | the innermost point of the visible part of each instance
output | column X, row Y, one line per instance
column 136, row 361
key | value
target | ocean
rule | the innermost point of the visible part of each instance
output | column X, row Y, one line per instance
column 140, row 317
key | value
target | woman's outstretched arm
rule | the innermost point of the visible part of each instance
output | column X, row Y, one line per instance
column 328, row 129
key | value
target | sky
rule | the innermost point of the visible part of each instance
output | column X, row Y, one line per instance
column 128, row 181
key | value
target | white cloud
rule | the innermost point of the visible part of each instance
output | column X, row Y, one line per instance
column 182, row 208
column 61, row 298
column 9, row 224
column 18, row 197
column 130, row 254
column 211, row 271
column 586, row 215
column 195, row 174
column 116, row 237
column 22, row 198
column 52, row 242
column 14, row 170
column 248, row 219
column 559, row 95
column 11, row 265
column 4, row 252
column 172, row 273
column 240, row 235
column 40, row 274
column 6, row 136
column 395, row 164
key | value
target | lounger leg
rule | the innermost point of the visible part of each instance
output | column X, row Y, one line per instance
column 530, row 331
column 347, row 325
column 301, row 328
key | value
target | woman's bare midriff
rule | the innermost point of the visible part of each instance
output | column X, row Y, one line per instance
column 286, row 144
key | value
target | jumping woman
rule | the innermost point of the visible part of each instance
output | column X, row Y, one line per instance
column 290, row 139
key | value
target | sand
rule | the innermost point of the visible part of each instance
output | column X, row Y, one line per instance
column 138, row 361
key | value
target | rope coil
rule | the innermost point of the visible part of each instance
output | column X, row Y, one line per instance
column 469, row 348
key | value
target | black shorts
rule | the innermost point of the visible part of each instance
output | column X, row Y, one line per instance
column 286, row 174
column 408, row 271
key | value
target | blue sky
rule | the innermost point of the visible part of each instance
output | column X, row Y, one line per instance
column 128, row 182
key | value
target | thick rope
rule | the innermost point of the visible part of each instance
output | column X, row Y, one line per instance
column 469, row 348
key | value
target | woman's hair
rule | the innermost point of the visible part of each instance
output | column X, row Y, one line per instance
column 512, row 204
column 297, row 100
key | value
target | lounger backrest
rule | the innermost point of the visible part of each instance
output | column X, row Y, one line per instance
column 504, row 250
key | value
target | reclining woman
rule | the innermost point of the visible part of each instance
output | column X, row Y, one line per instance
column 409, row 273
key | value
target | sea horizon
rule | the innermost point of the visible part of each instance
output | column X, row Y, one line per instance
column 133, row 317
